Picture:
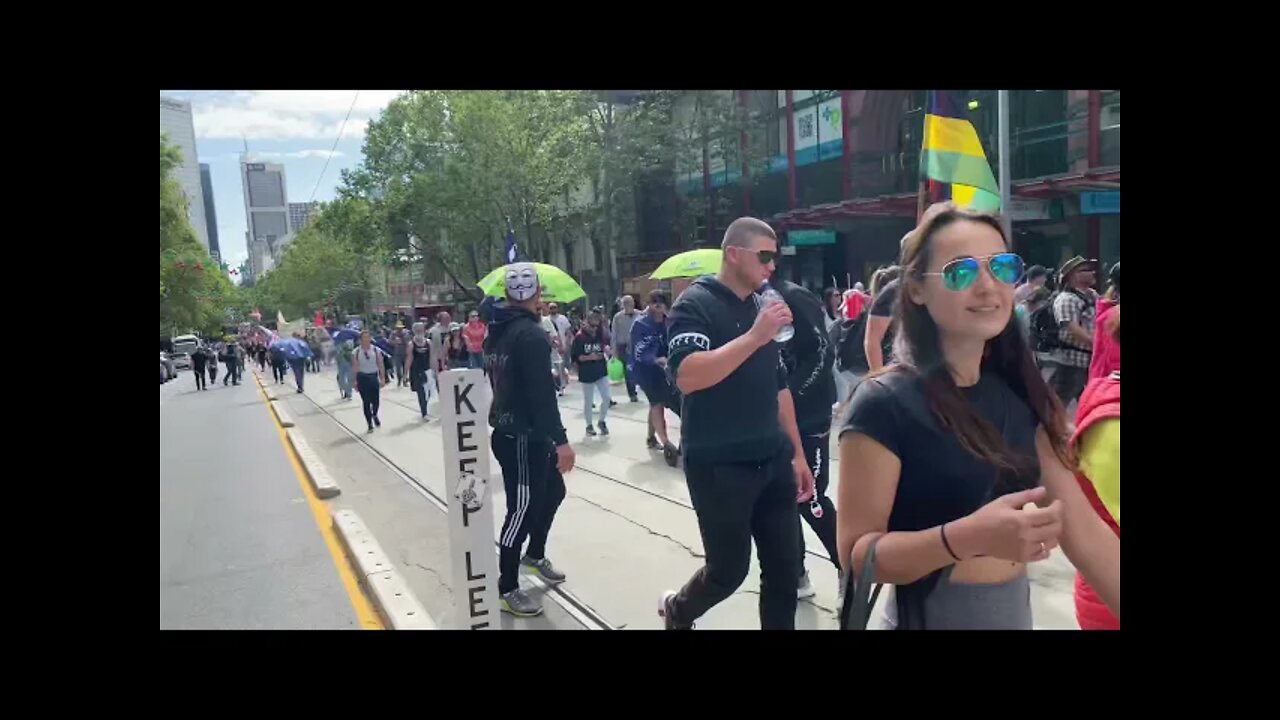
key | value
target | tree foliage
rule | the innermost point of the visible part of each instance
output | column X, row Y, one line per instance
column 320, row 268
column 444, row 171
column 195, row 294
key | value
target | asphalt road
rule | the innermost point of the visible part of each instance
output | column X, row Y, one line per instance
column 240, row 547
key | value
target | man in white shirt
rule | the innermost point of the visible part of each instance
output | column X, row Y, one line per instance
column 564, row 334
column 436, row 337
column 620, row 333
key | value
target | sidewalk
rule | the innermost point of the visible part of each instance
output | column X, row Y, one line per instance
column 625, row 532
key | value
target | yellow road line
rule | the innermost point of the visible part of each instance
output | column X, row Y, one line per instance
column 365, row 613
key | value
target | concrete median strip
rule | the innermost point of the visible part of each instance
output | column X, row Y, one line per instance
column 321, row 481
column 286, row 420
column 389, row 591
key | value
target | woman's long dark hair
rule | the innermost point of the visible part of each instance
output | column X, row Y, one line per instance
column 826, row 302
column 1007, row 355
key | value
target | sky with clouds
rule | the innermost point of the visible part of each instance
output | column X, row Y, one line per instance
column 295, row 128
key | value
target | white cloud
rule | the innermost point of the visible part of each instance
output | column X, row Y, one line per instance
column 301, row 154
column 285, row 114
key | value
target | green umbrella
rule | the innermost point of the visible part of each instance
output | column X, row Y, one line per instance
column 557, row 285
column 694, row 263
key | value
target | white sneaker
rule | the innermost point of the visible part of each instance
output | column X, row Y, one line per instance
column 805, row 589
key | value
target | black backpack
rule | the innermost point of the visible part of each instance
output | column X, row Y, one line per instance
column 847, row 337
column 1044, row 326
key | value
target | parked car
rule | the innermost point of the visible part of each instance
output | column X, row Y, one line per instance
column 168, row 369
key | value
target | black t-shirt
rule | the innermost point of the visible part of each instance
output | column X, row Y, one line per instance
column 940, row 480
column 882, row 306
column 735, row 420
column 808, row 357
column 590, row 370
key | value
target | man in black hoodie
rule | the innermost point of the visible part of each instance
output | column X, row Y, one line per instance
column 743, row 457
column 528, row 438
column 808, row 356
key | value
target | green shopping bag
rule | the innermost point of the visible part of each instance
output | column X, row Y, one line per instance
column 617, row 373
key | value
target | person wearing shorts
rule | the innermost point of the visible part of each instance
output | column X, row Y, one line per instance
column 649, row 367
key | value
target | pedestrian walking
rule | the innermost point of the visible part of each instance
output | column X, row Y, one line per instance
column 457, row 348
column 529, row 440
column 1074, row 313
column 809, row 360
column 438, row 338
column 279, row 364
column 1025, row 310
column 548, row 327
column 1105, row 358
column 418, row 367
column 954, row 460
column 344, row 356
column 587, row 352
column 473, row 335
column 833, row 307
column 398, row 343
column 371, row 376
column 564, row 339
column 299, row 363
column 1036, row 278
column 649, row 366
column 744, row 459
column 233, row 356
column 313, row 362
column 620, row 333
column 198, row 361
column 215, row 357
column 1097, row 442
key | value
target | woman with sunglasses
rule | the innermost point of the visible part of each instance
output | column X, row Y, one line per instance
column 955, row 460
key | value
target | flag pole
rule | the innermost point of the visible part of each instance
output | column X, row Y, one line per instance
column 924, row 182
column 1006, row 182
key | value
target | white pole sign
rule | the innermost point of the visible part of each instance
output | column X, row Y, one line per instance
column 464, row 406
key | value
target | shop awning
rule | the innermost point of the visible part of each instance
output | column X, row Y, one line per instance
column 904, row 204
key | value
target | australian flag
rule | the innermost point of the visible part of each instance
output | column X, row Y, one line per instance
column 511, row 251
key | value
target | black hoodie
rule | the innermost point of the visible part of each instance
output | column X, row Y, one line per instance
column 519, row 360
column 808, row 356
column 735, row 420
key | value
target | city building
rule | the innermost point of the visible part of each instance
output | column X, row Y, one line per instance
column 836, row 172
column 210, row 213
column 300, row 215
column 177, row 125
column 266, row 209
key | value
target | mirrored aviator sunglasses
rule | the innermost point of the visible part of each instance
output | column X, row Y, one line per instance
column 958, row 275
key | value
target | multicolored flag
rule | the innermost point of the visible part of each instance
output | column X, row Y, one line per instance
column 952, row 158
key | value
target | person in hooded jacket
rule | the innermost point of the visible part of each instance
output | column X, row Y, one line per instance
column 529, row 439
column 809, row 358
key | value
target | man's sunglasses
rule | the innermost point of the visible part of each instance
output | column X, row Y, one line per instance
column 764, row 256
column 959, row 274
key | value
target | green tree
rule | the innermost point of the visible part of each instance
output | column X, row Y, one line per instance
column 195, row 294
column 317, row 270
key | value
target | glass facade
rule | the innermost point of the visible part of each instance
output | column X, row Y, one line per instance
column 1050, row 133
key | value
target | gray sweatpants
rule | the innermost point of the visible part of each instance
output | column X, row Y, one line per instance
column 960, row 606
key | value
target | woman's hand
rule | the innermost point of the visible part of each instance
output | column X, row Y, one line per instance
column 1010, row 527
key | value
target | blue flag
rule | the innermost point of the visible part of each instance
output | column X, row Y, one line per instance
column 511, row 251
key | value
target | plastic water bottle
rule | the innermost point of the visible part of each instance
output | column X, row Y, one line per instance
column 768, row 297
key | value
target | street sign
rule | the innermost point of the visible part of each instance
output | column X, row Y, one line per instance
column 811, row 237
column 464, row 423
column 1100, row 203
